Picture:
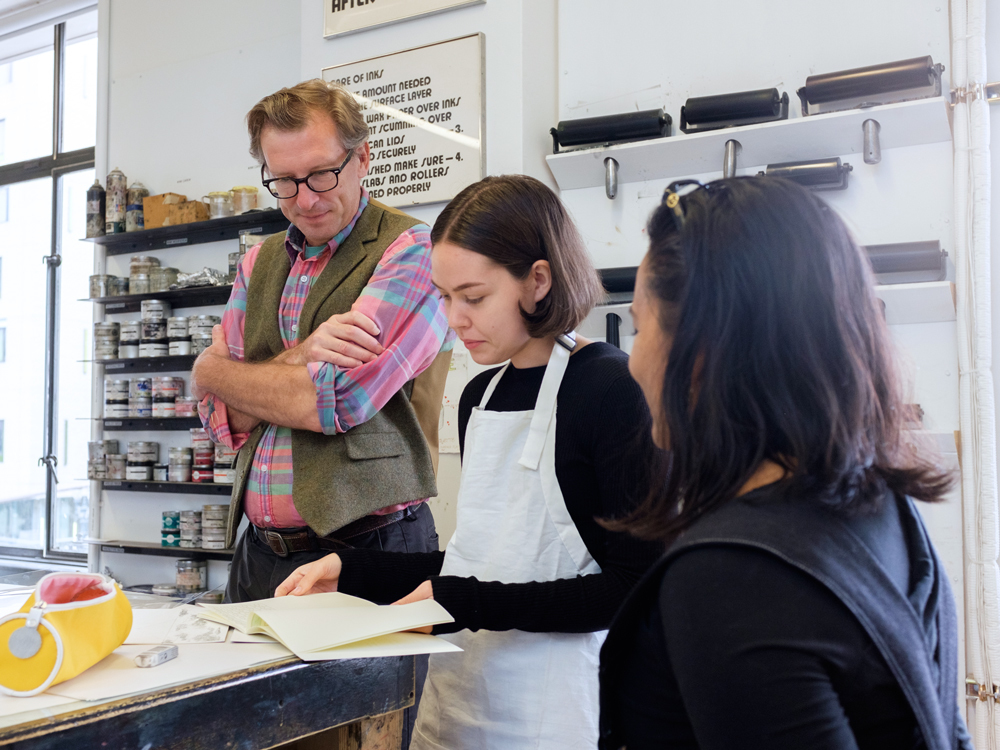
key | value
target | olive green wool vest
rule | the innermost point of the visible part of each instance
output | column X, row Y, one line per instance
column 338, row 478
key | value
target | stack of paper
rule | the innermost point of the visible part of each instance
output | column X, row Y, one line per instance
column 319, row 627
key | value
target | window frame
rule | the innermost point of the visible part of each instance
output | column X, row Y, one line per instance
column 54, row 165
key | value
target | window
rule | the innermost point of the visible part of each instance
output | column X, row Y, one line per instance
column 48, row 93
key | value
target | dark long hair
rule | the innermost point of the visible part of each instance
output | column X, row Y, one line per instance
column 771, row 302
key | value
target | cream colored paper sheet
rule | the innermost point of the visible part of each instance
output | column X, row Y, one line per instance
column 10, row 705
column 242, row 615
column 117, row 675
column 319, row 629
column 394, row 644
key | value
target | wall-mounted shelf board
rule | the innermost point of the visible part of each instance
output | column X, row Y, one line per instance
column 924, row 302
column 186, row 488
column 837, row 133
column 195, row 233
column 151, row 548
column 146, row 364
column 152, row 423
column 199, row 296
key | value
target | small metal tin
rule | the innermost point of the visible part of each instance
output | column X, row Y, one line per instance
column 224, row 474
column 187, row 406
column 138, row 283
column 153, row 349
column 97, row 469
column 131, row 330
column 160, row 473
column 118, row 286
column 203, row 476
column 177, row 327
column 155, row 309
column 142, row 473
column 140, row 387
column 179, row 347
column 140, row 408
column 179, row 472
column 116, row 466
column 171, row 520
column 128, row 351
column 115, row 409
column 200, row 438
column 200, row 342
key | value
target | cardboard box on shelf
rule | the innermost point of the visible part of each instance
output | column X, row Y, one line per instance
column 155, row 208
column 185, row 213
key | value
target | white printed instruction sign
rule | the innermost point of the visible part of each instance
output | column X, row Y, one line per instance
column 348, row 16
column 425, row 113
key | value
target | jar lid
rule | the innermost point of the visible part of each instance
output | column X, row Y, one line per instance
column 164, row 589
column 220, row 194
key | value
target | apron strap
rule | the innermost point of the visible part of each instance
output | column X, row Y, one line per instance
column 492, row 386
column 545, row 405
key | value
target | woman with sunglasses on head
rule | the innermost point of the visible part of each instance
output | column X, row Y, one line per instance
column 800, row 603
column 551, row 441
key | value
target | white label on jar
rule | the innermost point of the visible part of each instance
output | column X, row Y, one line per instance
column 179, row 348
column 138, row 473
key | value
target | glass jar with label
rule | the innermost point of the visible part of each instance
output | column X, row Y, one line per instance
column 192, row 576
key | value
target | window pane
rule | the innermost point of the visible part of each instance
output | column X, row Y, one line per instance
column 24, row 241
column 80, row 85
column 71, row 504
column 26, row 96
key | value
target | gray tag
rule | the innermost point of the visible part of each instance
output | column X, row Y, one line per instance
column 24, row 642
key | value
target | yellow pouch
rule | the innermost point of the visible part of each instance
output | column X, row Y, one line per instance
column 71, row 622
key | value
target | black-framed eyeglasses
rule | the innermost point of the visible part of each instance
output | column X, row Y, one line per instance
column 673, row 194
column 322, row 181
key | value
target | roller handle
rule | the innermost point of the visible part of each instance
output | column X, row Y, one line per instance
column 613, row 331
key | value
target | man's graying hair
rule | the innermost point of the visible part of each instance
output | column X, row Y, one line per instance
column 289, row 109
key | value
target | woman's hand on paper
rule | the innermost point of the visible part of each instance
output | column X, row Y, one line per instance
column 424, row 591
column 346, row 340
column 316, row 577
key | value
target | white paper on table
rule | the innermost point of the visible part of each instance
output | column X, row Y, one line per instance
column 318, row 629
column 176, row 625
column 237, row 637
column 117, row 674
column 241, row 614
column 394, row 644
column 11, row 705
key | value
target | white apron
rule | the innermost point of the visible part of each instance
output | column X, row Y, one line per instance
column 513, row 689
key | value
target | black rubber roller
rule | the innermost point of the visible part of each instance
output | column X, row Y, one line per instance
column 630, row 126
column 856, row 83
column 746, row 105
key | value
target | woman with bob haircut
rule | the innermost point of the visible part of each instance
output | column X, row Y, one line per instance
column 551, row 441
column 800, row 603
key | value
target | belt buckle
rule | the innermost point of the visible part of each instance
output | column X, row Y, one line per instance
column 277, row 543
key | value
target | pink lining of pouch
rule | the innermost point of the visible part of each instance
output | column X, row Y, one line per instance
column 73, row 587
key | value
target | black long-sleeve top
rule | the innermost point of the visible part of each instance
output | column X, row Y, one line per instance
column 602, row 457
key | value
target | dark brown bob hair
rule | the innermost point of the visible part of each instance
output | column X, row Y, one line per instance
column 515, row 220
column 772, row 303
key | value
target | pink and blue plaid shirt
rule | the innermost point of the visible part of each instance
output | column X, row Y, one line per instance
column 409, row 313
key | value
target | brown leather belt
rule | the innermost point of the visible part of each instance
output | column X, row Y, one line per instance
column 283, row 542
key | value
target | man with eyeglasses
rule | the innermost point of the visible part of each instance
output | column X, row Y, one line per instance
column 328, row 369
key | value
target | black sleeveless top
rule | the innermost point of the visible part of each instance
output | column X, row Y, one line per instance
column 782, row 625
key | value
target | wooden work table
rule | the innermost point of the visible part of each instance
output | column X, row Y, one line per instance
column 259, row 707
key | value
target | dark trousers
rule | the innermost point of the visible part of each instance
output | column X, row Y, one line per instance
column 257, row 571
